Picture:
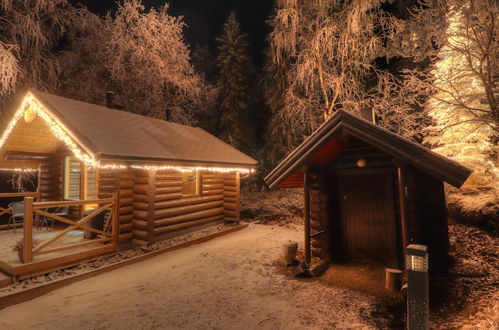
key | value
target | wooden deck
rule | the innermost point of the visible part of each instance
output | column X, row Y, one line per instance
column 11, row 265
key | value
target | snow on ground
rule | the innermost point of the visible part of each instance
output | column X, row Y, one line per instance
column 231, row 282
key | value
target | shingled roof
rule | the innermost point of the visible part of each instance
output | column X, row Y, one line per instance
column 115, row 134
column 327, row 139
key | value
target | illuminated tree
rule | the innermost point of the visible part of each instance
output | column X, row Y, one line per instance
column 29, row 32
column 142, row 57
column 338, row 54
column 464, row 100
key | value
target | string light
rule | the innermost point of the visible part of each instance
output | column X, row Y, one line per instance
column 23, row 170
column 30, row 104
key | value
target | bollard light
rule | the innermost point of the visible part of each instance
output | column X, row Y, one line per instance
column 417, row 287
column 417, row 258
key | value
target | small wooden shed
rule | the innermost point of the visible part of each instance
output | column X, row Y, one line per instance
column 369, row 192
column 169, row 177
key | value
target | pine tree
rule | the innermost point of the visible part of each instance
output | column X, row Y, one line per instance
column 464, row 127
column 234, row 64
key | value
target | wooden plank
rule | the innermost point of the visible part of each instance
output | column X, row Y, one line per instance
column 44, row 205
column 28, row 230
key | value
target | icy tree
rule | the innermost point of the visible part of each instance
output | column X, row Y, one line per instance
column 29, row 32
column 235, row 68
column 464, row 87
column 141, row 56
column 338, row 53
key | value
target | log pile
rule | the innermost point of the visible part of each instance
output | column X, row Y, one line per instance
column 319, row 220
column 122, row 182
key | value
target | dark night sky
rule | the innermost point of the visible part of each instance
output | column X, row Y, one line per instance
column 205, row 18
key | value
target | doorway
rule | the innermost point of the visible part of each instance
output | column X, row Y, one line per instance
column 367, row 217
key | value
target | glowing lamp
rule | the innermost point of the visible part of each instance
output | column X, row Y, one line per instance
column 29, row 114
column 361, row 162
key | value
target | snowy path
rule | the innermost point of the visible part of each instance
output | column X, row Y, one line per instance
column 226, row 283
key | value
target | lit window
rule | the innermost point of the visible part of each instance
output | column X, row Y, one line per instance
column 190, row 183
column 80, row 181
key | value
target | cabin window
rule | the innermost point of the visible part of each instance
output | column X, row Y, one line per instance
column 190, row 183
column 80, row 181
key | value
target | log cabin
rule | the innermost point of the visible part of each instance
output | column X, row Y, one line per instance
column 369, row 193
column 169, row 178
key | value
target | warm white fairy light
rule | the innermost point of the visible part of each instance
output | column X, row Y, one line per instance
column 30, row 104
column 23, row 170
column 189, row 168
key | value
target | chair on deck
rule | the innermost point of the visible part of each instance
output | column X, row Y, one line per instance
column 62, row 211
column 17, row 216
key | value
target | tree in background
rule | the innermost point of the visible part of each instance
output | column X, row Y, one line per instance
column 235, row 68
column 464, row 89
column 339, row 55
column 142, row 57
column 29, row 34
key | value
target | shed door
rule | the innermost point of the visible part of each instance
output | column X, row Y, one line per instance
column 368, row 228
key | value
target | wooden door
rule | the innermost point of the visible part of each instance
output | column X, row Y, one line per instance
column 367, row 220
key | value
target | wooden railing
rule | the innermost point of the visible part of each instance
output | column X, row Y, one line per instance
column 35, row 195
column 40, row 208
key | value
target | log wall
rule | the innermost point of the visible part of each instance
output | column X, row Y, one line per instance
column 50, row 178
column 160, row 209
column 319, row 218
column 122, row 182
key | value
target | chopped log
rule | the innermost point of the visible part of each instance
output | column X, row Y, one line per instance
column 289, row 252
column 393, row 279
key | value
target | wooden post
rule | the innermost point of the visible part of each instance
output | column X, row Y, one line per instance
column 306, row 210
column 28, row 230
column 393, row 279
column 403, row 207
column 114, row 220
column 151, row 193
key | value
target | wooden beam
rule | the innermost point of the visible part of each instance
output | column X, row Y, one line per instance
column 306, row 192
column 23, row 155
column 28, row 230
column 403, row 208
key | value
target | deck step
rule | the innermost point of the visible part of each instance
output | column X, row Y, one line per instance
column 5, row 280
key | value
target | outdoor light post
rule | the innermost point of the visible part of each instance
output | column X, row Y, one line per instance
column 417, row 287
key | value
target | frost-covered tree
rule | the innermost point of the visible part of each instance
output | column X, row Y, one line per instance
column 142, row 57
column 464, row 98
column 234, row 66
column 29, row 33
column 339, row 53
